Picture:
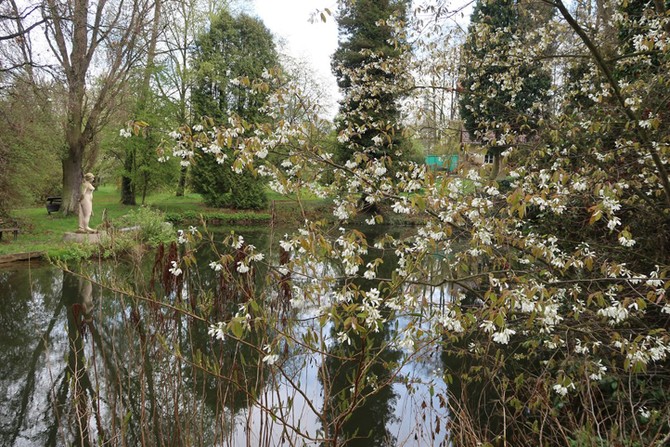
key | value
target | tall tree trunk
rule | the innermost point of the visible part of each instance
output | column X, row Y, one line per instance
column 72, row 164
column 181, row 186
column 72, row 177
column 495, row 168
column 76, row 138
column 145, row 188
column 127, row 184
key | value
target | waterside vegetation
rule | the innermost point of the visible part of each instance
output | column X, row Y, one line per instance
column 41, row 232
column 544, row 294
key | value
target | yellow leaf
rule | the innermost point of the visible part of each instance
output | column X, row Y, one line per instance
column 596, row 216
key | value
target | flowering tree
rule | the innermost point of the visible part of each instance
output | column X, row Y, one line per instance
column 367, row 65
column 558, row 308
column 493, row 108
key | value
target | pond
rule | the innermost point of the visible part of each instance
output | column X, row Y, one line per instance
column 119, row 353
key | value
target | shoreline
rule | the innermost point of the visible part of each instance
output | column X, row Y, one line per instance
column 22, row 257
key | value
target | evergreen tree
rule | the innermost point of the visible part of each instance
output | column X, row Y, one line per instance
column 502, row 94
column 366, row 65
column 234, row 47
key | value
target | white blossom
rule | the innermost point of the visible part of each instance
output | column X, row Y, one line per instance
column 180, row 237
column 343, row 337
column 175, row 270
column 217, row 330
column 600, row 372
column 503, row 336
column 616, row 313
column 562, row 390
column 488, row 326
column 270, row 359
column 239, row 242
column 216, row 266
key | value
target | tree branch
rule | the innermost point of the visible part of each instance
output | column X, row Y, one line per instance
column 22, row 31
column 604, row 68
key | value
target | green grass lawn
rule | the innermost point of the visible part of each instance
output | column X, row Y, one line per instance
column 43, row 232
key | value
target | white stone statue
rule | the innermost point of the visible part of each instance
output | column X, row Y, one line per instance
column 86, row 204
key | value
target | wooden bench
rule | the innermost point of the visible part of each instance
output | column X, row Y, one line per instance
column 9, row 228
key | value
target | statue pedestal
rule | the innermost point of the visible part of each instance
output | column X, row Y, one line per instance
column 80, row 238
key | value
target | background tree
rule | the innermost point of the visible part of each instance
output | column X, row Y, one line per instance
column 136, row 161
column 78, row 32
column 433, row 104
column 31, row 143
column 234, row 50
column 183, row 22
column 494, row 110
column 17, row 22
column 173, row 81
column 366, row 65
column 142, row 107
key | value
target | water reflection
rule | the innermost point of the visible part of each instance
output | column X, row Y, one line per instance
column 358, row 375
column 27, row 326
column 360, row 408
column 87, row 365
column 84, row 367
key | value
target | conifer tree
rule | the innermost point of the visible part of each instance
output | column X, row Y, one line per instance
column 502, row 94
column 234, row 47
column 365, row 65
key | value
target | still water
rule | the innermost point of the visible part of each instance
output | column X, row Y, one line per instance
column 85, row 364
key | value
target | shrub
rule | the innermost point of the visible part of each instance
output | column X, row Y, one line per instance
column 151, row 224
column 221, row 187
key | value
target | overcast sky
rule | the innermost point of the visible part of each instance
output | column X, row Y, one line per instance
column 305, row 39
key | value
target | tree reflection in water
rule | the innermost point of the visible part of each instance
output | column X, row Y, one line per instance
column 361, row 398
column 90, row 366
column 120, row 354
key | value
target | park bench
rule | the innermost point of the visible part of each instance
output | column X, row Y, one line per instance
column 53, row 204
column 8, row 227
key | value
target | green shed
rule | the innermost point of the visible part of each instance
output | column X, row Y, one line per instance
column 442, row 162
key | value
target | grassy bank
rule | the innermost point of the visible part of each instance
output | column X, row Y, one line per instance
column 43, row 232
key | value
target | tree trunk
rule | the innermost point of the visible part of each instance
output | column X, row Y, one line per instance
column 145, row 187
column 127, row 194
column 181, row 186
column 127, row 184
column 495, row 168
column 72, row 177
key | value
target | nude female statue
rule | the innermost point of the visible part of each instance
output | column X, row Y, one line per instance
column 86, row 204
